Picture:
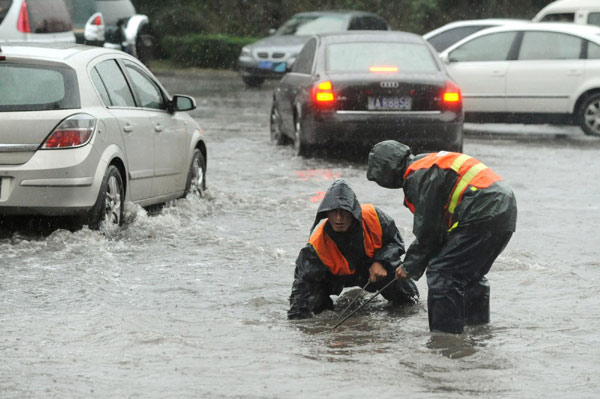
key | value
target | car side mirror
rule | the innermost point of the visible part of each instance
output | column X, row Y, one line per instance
column 445, row 58
column 182, row 103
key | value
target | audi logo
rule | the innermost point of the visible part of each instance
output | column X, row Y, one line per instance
column 389, row 85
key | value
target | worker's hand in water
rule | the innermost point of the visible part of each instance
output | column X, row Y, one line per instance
column 377, row 272
column 400, row 273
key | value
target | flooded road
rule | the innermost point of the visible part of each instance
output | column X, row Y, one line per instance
column 190, row 302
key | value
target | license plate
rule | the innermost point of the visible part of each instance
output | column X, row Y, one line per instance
column 390, row 103
column 273, row 66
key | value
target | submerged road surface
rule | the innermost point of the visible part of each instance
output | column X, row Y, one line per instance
column 190, row 302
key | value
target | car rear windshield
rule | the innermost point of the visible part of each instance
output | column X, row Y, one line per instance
column 49, row 16
column 4, row 6
column 313, row 24
column 114, row 10
column 361, row 57
column 81, row 11
column 34, row 88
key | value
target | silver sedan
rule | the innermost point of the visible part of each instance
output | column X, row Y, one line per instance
column 84, row 129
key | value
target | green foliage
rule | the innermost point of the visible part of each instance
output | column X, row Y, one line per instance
column 205, row 51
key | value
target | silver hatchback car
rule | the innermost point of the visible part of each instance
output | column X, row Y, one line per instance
column 84, row 129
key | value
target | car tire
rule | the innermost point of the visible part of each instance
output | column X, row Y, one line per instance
column 277, row 136
column 111, row 198
column 300, row 147
column 196, row 178
column 588, row 115
column 253, row 81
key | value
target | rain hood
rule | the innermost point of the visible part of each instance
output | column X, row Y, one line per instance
column 388, row 161
column 338, row 196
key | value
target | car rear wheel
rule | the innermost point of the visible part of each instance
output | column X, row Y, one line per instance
column 196, row 179
column 300, row 147
column 253, row 81
column 588, row 115
column 109, row 205
column 275, row 126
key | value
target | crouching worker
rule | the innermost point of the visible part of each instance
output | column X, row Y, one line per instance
column 464, row 215
column 354, row 244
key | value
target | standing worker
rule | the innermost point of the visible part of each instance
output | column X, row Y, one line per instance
column 354, row 245
column 464, row 216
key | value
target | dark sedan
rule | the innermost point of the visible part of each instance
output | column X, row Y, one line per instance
column 361, row 88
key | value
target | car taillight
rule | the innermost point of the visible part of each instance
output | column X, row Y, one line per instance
column 23, row 21
column 97, row 20
column 75, row 131
column 452, row 94
column 383, row 69
column 323, row 93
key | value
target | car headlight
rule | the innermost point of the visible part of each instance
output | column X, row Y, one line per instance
column 246, row 52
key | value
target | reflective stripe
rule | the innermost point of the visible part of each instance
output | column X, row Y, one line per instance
column 458, row 162
column 462, row 184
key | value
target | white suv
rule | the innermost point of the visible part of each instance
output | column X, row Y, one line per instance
column 530, row 73
column 35, row 21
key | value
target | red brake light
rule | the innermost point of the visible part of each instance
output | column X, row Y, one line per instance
column 324, row 92
column 384, row 69
column 23, row 21
column 452, row 93
column 74, row 131
column 97, row 20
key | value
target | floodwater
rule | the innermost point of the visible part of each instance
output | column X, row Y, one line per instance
column 190, row 302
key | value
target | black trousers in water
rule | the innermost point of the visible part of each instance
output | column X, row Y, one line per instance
column 458, row 291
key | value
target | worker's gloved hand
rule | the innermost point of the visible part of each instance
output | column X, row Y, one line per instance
column 401, row 273
column 377, row 272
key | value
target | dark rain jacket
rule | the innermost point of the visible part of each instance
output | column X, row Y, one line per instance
column 444, row 198
column 312, row 276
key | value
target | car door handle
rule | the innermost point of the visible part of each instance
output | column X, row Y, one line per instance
column 497, row 74
column 574, row 72
column 158, row 127
column 128, row 128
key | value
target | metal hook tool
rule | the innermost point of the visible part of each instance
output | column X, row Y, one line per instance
column 361, row 306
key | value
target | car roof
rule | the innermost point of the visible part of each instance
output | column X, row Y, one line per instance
column 570, row 5
column 369, row 35
column 335, row 12
column 589, row 32
column 57, row 52
column 473, row 22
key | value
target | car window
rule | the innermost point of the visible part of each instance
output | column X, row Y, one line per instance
column 81, row 11
column 445, row 39
column 492, row 47
column 593, row 18
column 4, row 6
column 304, row 62
column 360, row 57
column 313, row 24
column 114, row 10
column 559, row 17
column 48, row 16
column 148, row 91
column 115, row 83
column 367, row 23
column 593, row 51
column 549, row 46
column 97, row 81
column 33, row 88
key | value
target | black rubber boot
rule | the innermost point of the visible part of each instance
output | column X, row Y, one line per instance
column 446, row 311
column 477, row 302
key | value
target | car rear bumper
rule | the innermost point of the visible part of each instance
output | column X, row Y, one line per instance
column 432, row 130
column 52, row 182
column 249, row 68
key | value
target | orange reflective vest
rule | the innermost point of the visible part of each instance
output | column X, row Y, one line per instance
column 330, row 254
column 470, row 172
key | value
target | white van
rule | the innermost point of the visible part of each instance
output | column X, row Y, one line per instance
column 576, row 11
